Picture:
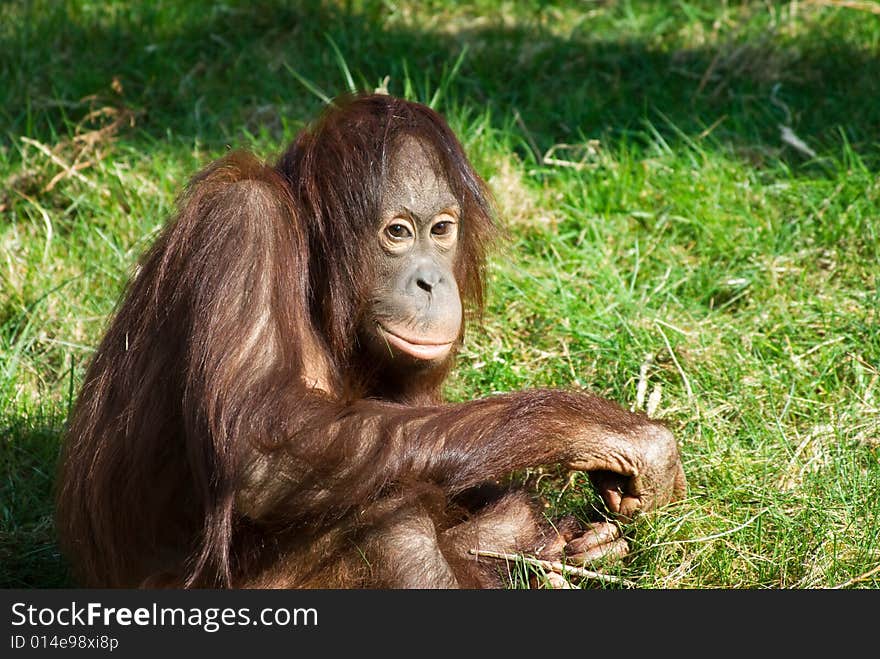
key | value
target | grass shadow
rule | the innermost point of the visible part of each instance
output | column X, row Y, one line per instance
column 210, row 74
column 29, row 555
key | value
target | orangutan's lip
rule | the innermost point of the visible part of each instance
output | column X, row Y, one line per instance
column 418, row 348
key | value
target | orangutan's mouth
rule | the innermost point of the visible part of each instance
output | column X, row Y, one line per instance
column 420, row 348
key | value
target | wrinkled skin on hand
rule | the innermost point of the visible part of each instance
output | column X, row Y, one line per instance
column 634, row 473
column 599, row 542
column 632, row 476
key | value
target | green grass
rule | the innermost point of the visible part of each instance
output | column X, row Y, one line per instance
column 655, row 222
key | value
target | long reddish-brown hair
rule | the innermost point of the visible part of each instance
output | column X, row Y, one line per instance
column 206, row 350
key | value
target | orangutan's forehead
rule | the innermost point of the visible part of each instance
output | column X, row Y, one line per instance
column 415, row 180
